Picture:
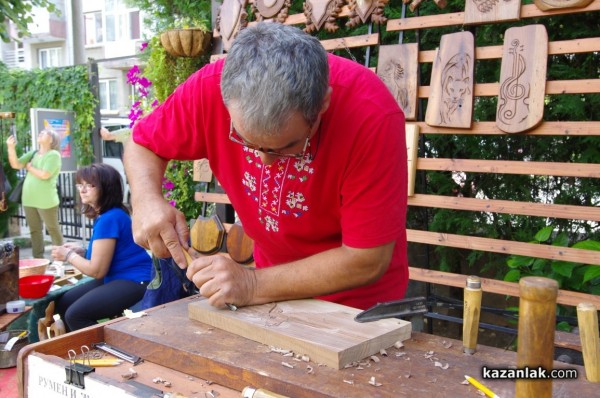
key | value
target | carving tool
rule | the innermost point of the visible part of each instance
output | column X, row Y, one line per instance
column 189, row 260
column 134, row 359
column 13, row 340
column 471, row 312
column 394, row 309
column 481, row 387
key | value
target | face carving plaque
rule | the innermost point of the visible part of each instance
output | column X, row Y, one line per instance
column 232, row 17
column 322, row 13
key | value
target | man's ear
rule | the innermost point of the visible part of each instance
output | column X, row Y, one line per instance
column 326, row 100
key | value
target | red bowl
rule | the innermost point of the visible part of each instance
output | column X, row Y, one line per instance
column 35, row 286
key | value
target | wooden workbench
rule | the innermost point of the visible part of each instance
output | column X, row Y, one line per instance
column 198, row 355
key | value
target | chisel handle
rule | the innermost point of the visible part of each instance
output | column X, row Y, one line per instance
column 471, row 312
column 587, row 318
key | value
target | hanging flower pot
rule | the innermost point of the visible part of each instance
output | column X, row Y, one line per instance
column 189, row 42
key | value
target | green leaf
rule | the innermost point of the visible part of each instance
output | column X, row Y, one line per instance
column 539, row 263
column 592, row 272
column 519, row 261
column 513, row 275
column 563, row 326
column 544, row 234
column 564, row 268
column 561, row 240
column 587, row 245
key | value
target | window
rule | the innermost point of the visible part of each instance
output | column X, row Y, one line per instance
column 122, row 23
column 49, row 57
column 93, row 28
column 108, row 95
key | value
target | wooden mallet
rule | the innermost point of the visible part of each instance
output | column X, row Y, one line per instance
column 471, row 312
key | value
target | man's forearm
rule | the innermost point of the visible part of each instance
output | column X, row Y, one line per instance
column 323, row 273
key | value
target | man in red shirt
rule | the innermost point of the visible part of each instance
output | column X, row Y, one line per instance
column 309, row 147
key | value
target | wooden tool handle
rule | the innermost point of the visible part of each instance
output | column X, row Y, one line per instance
column 250, row 392
column 587, row 317
column 471, row 312
column 537, row 318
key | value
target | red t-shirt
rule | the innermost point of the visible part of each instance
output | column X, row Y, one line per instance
column 353, row 191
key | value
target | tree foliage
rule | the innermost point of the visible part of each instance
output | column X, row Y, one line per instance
column 20, row 13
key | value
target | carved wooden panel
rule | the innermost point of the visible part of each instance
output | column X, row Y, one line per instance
column 361, row 10
column 202, row 171
column 522, row 78
column 322, row 13
column 276, row 9
column 481, row 11
column 232, row 17
column 398, row 67
column 545, row 5
column 451, row 89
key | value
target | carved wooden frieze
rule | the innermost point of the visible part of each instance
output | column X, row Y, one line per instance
column 398, row 67
column 276, row 9
column 483, row 11
column 322, row 13
column 522, row 78
column 232, row 17
column 361, row 10
column 545, row 5
column 451, row 88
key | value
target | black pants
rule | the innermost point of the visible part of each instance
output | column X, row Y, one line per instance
column 84, row 305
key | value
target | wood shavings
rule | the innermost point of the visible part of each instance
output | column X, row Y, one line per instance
column 400, row 354
column 373, row 382
column 131, row 374
column 132, row 315
column 280, row 350
column 466, row 383
column 441, row 365
column 398, row 344
column 158, row 380
column 211, row 394
column 375, row 359
column 305, row 358
column 309, row 370
column 383, row 352
column 428, row 354
column 287, row 365
column 446, row 344
column 348, row 381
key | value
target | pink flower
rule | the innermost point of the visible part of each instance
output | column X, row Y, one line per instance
column 168, row 185
column 143, row 46
column 173, row 203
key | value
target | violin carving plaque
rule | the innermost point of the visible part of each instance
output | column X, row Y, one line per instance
column 451, row 89
column 232, row 17
column 398, row 68
column 322, row 13
column 361, row 10
column 483, row 11
column 276, row 9
column 522, row 78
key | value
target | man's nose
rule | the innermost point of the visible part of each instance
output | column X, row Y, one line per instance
column 267, row 159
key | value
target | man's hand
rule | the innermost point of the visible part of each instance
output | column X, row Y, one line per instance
column 223, row 281
column 161, row 228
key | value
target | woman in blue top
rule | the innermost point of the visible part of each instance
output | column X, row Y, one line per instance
column 120, row 267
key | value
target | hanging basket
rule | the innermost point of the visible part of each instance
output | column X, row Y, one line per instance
column 189, row 42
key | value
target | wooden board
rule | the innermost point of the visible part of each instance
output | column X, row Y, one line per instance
column 451, row 90
column 398, row 67
column 412, row 148
column 557, row 4
column 326, row 332
column 522, row 79
column 483, row 11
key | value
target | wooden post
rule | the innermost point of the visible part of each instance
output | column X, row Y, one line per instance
column 587, row 317
column 471, row 311
column 537, row 318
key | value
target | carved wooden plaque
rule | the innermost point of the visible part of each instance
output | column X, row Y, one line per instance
column 398, row 67
column 232, row 17
column 361, row 10
column 545, row 5
column 202, row 171
column 321, row 13
column 482, row 11
column 277, row 9
column 451, row 89
column 522, row 78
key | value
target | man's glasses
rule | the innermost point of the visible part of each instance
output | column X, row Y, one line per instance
column 235, row 137
column 84, row 187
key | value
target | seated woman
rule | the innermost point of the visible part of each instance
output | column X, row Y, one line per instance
column 120, row 267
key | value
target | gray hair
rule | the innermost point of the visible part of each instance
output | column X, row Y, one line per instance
column 55, row 139
column 271, row 71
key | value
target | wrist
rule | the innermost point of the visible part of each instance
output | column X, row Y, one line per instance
column 70, row 254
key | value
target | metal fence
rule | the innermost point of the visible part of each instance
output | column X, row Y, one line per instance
column 73, row 224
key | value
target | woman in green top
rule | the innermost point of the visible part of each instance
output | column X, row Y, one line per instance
column 40, row 196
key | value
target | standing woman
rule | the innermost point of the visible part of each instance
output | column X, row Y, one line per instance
column 120, row 268
column 40, row 195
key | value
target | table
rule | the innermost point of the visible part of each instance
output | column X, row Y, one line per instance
column 170, row 342
column 7, row 318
